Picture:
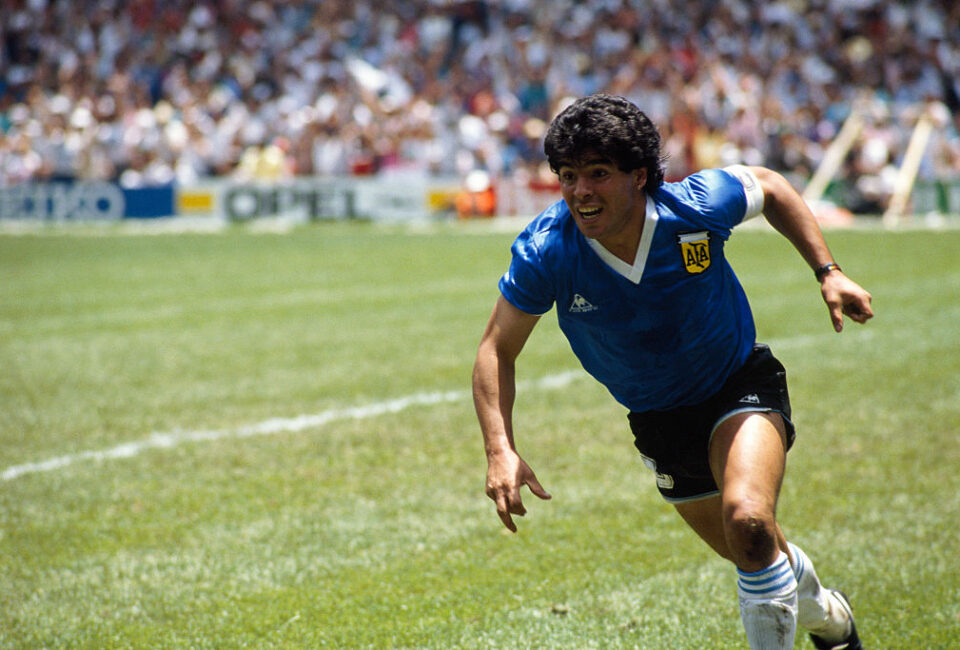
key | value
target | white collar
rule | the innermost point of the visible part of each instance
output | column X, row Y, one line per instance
column 632, row 272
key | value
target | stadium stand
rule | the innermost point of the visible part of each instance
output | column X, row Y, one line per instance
column 151, row 91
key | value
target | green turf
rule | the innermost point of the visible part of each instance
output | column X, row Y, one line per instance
column 373, row 531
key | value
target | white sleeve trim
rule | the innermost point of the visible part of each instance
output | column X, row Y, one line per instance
column 751, row 187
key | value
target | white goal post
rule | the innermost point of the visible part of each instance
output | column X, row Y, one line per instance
column 907, row 174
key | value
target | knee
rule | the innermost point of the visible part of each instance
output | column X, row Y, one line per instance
column 751, row 533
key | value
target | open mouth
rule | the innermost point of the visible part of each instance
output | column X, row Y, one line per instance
column 588, row 214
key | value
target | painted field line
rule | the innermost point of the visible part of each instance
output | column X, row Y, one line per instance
column 158, row 440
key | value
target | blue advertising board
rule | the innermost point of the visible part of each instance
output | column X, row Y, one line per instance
column 85, row 201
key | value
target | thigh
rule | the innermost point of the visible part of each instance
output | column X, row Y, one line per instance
column 704, row 516
column 748, row 456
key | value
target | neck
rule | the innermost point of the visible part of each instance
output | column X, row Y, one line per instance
column 625, row 242
column 624, row 249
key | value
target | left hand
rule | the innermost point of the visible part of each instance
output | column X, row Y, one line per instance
column 844, row 296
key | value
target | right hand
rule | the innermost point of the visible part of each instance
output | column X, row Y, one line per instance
column 506, row 473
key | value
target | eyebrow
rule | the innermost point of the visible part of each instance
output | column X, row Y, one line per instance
column 587, row 162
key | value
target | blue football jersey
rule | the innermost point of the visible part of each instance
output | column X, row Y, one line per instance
column 667, row 330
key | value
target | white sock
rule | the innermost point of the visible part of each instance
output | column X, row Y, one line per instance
column 816, row 609
column 768, row 605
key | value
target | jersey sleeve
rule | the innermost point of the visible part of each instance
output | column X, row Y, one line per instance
column 751, row 187
column 526, row 284
column 720, row 199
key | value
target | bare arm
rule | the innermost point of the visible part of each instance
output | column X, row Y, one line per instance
column 786, row 211
column 494, row 390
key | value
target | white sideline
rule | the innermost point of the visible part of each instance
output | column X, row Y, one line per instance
column 272, row 426
column 158, row 440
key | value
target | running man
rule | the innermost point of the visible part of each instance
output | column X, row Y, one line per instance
column 652, row 309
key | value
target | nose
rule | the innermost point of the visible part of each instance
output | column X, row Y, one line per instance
column 583, row 187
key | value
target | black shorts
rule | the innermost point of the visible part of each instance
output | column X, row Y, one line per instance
column 675, row 443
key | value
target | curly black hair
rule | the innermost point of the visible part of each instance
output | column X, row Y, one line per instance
column 611, row 127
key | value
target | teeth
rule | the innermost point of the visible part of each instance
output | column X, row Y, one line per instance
column 589, row 213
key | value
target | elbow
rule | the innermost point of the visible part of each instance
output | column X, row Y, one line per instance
column 777, row 190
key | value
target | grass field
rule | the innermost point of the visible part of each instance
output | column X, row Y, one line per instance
column 266, row 440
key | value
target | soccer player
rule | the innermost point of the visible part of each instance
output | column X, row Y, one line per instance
column 652, row 309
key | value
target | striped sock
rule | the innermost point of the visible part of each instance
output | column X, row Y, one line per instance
column 811, row 606
column 768, row 605
column 814, row 609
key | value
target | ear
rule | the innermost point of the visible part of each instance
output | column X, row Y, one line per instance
column 640, row 177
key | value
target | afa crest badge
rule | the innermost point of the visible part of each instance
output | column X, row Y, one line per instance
column 695, row 250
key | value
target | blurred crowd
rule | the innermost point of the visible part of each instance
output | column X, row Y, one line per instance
column 152, row 91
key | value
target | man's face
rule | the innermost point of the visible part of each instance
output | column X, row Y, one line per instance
column 604, row 200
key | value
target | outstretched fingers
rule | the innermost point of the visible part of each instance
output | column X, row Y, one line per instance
column 507, row 497
column 508, row 503
column 536, row 488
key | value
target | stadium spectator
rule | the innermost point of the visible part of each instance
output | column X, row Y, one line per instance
column 144, row 91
